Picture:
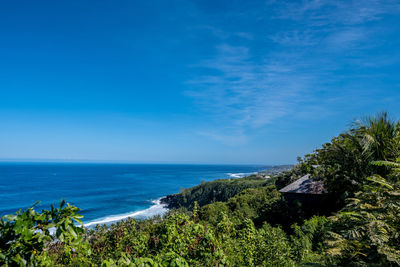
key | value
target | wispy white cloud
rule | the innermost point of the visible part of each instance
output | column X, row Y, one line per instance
column 251, row 88
column 329, row 12
column 247, row 94
column 223, row 35
column 342, row 22
column 245, row 35
column 295, row 38
column 228, row 136
column 346, row 38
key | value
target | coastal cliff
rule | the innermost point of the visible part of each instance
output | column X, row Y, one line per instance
column 222, row 189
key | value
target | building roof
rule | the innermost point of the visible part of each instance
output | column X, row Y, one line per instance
column 305, row 185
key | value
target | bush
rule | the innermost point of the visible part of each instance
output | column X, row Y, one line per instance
column 26, row 236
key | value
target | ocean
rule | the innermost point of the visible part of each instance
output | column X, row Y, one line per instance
column 105, row 193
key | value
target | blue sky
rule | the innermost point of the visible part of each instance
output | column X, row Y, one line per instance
column 250, row 82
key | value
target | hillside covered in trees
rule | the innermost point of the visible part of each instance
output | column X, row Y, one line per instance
column 243, row 222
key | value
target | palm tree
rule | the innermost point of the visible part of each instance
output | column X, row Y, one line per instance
column 379, row 136
column 344, row 163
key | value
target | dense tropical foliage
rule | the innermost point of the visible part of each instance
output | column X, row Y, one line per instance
column 242, row 222
column 209, row 192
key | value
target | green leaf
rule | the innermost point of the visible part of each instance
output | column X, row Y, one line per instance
column 10, row 217
column 78, row 221
column 72, row 232
column 379, row 180
column 62, row 203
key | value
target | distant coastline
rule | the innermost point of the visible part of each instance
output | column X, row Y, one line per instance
column 255, row 179
column 105, row 192
column 162, row 205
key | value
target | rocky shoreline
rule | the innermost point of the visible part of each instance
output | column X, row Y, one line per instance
column 174, row 200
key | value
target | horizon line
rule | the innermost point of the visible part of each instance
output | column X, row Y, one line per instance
column 86, row 161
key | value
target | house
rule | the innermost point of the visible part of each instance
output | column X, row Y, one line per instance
column 307, row 191
column 305, row 185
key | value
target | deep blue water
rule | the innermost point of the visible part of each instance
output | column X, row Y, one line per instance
column 104, row 192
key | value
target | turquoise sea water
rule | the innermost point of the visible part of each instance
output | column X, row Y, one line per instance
column 105, row 192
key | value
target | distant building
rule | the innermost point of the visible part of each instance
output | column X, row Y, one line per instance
column 305, row 185
column 306, row 190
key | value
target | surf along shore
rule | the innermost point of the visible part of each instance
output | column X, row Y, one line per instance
column 220, row 189
column 161, row 206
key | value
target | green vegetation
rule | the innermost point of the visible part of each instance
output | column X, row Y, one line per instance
column 242, row 222
column 25, row 238
column 209, row 192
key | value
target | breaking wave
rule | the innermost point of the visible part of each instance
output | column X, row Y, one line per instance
column 156, row 209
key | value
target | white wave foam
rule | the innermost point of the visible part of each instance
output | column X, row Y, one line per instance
column 156, row 209
column 240, row 174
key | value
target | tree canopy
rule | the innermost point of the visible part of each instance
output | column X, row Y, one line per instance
column 242, row 222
